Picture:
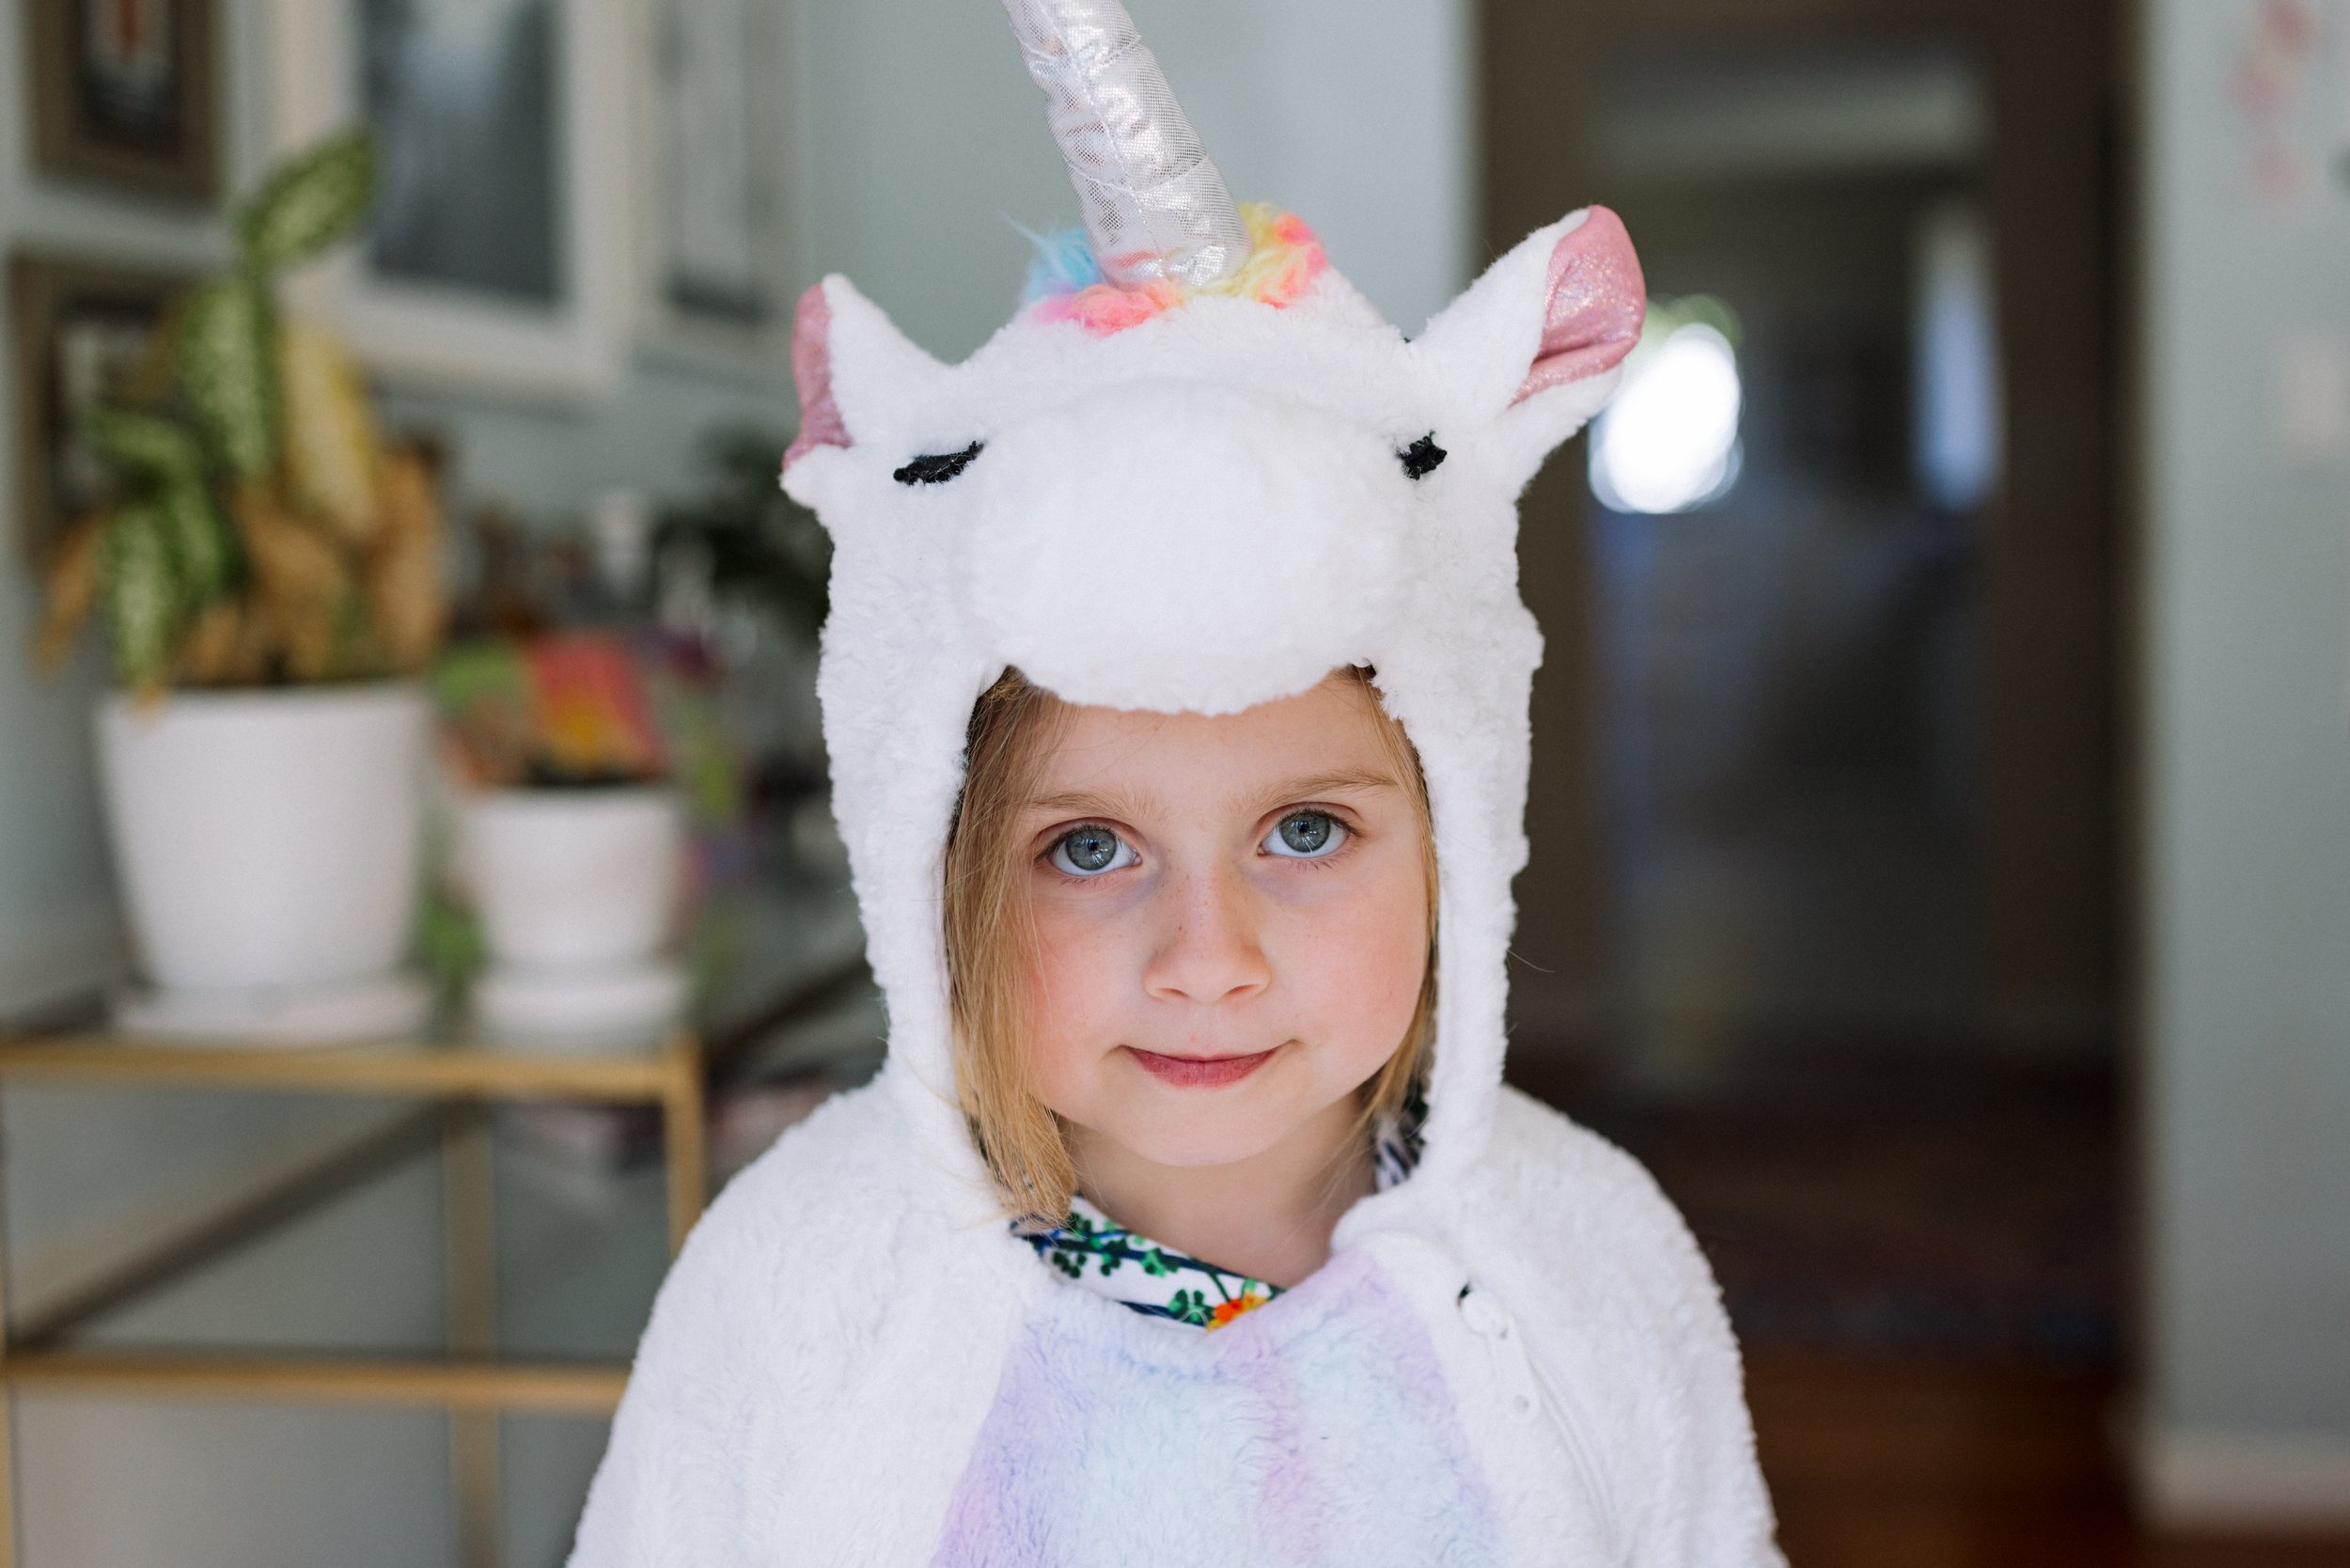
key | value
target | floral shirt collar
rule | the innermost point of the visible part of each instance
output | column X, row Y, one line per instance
column 1160, row 1282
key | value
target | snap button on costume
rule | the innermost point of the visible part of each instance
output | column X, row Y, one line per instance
column 1516, row 1355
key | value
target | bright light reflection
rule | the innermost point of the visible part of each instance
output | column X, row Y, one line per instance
column 1670, row 441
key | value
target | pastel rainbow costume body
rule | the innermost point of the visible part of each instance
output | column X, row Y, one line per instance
column 1515, row 1354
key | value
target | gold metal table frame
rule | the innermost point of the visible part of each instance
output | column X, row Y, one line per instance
column 458, row 1082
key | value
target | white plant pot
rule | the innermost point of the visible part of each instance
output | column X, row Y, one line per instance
column 267, row 841
column 573, row 880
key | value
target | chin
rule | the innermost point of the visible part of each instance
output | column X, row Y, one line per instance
column 1219, row 1139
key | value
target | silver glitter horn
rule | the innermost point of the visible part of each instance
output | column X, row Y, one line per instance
column 1155, row 206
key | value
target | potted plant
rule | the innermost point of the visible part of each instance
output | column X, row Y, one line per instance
column 571, row 837
column 268, row 574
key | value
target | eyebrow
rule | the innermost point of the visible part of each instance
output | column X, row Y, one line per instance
column 1347, row 781
column 1086, row 803
column 1089, row 803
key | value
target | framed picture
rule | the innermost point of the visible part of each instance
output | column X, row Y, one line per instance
column 81, row 331
column 500, row 253
column 126, row 93
column 714, row 262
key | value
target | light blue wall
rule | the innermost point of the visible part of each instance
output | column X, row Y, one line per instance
column 2246, row 702
column 928, row 144
column 57, row 926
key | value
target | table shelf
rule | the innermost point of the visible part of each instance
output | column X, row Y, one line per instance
column 764, row 961
column 476, row 1384
column 460, row 1070
column 457, row 1083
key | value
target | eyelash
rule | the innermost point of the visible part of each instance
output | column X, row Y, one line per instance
column 1346, row 825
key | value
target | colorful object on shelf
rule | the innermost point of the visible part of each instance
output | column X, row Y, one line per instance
column 594, row 720
column 588, row 709
column 488, row 713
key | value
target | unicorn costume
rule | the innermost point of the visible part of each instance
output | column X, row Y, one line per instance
column 1196, row 472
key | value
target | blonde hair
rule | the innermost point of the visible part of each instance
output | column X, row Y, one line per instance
column 989, row 936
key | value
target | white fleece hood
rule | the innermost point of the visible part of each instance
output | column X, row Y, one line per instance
column 1196, row 473
column 1210, row 508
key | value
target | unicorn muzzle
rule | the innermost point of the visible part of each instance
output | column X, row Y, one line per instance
column 1173, row 545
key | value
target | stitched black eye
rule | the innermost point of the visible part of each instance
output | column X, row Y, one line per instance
column 1423, row 457
column 938, row 467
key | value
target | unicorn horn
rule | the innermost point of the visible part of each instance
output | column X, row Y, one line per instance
column 1155, row 206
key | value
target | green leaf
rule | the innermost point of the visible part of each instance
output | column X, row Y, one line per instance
column 449, row 938
column 202, row 548
column 144, row 446
column 229, row 374
column 142, row 601
column 313, row 199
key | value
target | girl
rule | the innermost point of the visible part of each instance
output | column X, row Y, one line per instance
column 1176, row 689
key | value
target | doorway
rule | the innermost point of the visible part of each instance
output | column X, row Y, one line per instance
column 1820, row 920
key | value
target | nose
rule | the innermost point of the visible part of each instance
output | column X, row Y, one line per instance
column 1211, row 950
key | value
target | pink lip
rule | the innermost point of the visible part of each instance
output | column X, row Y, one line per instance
column 1197, row 1072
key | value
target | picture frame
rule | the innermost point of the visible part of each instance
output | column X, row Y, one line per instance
column 81, row 329
column 125, row 94
column 716, row 262
column 500, row 257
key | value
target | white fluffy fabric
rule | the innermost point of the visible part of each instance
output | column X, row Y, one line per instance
column 854, row 1361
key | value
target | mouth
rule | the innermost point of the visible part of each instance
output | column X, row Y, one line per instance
column 1200, row 1072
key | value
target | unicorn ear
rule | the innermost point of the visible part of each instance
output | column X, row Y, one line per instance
column 851, row 364
column 1534, row 344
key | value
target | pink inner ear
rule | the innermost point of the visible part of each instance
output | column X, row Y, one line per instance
column 1596, row 303
column 821, row 424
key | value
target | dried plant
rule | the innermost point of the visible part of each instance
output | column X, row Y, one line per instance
column 262, row 531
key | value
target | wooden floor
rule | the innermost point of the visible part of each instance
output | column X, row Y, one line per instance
column 1919, row 1250
column 1895, row 1463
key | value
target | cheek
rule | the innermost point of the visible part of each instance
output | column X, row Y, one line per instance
column 1076, row 983
column 1357, row 962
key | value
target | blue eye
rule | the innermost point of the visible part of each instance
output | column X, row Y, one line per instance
column 1306, row 835
column 1092, row 850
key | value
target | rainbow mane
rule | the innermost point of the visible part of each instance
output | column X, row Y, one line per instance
column 1065, row 281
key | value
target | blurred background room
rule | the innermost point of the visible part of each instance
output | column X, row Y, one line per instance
column 1941, row 809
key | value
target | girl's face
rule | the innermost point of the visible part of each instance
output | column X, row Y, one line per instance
column 1232, row 917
